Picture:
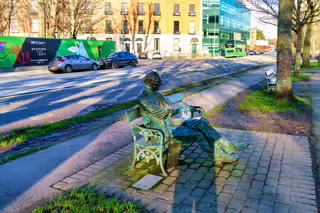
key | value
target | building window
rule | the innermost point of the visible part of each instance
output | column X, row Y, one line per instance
column 192, row 10
column 192, row 29
column 108, row 39
column 176, row 44
column 156, row 27
column 140, row 27
column 125, row 27
column 35, row 26
column 34, row 5
column 213, row 19
column 124, row 9
column 141, row 9
column 176, row 27
column 157, row 44
column 176, row 10
column 156, row 9
column 109, row 27
column 108, row 9
column 14, row 28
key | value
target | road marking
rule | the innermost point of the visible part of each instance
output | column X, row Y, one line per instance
column 5, row 111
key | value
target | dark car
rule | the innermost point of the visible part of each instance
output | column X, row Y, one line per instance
column 143, row 55
column 252, row 52
column 120, row 59
column 260, row 52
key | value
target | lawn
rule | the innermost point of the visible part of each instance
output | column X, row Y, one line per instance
column 86, row 201
column 265, row 102
column 301, row 77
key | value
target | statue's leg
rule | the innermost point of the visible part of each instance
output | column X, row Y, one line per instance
column 187, row 135
column 213, row 136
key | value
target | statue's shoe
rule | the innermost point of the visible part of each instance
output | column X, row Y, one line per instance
column 240, row 146
column 226, row 158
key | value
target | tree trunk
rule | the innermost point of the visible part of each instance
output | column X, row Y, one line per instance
column 319, row 61
column 42, row 22
column 73, row 4
column 298, row 52
column 284, row 46
column 53, row 13
column 307, row 46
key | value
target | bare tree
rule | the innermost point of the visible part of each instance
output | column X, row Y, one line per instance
column 6, row 13
column 132, row 21
column 303, row 14
column 42, row 20
column 52, row 12
column 307, row 40
column 150, row 26
column 82, row 18
column 284, row 45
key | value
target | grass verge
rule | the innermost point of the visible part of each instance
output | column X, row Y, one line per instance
column 20, row 155
column 86, row 201
column 28, row 133
column 266, row 102
column 301, row 77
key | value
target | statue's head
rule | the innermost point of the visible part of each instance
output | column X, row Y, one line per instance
column 153, row 81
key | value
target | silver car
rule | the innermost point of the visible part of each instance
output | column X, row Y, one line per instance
column 70, row 63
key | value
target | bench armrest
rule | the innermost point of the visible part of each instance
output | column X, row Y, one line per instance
column 148, row 133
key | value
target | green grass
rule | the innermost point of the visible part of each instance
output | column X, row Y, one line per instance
column 301, row 77
column 20, row 155
column 267, row 103
column 86, row 201
column 313, row 64
column 28, row 133
column 215, row 111
column 181, row 89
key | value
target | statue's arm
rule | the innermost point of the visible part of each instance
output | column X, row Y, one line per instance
column 157, row 111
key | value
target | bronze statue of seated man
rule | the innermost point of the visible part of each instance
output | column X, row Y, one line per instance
column 157, row 113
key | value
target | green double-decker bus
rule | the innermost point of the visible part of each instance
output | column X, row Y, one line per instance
column 235, row 48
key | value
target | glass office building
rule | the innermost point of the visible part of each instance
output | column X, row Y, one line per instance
column 223, row 20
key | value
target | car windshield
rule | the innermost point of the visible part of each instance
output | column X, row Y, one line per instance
column 113, row 54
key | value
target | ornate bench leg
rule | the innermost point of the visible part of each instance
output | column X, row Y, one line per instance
column 134, row 158
column 161, row 163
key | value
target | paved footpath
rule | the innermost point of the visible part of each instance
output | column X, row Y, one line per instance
column 273, row 175
column 78, row 160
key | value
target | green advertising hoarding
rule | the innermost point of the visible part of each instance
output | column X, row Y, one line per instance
column 24, row 51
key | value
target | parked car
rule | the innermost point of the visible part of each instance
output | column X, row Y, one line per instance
column 120, row 59
column 71, row 63
column 143, row 55
column 260, row 52
column 252, row 52
column 156, row 55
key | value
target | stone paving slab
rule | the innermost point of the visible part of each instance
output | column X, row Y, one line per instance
column 272, row 175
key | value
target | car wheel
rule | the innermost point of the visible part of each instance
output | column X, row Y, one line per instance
column 94, row 67
column 115, row 65
column 133, row 63
column 68, row 69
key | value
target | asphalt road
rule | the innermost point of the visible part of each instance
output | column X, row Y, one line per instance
column 27, row 100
